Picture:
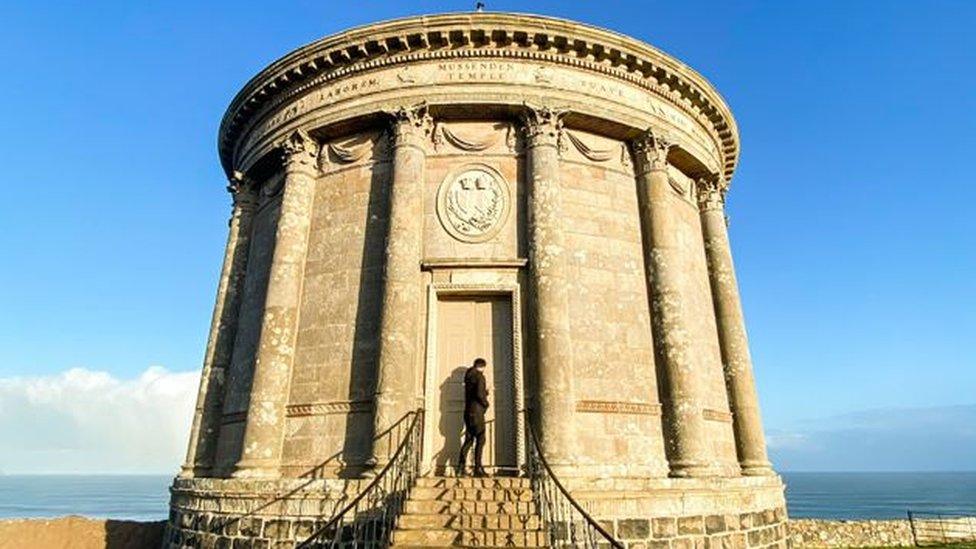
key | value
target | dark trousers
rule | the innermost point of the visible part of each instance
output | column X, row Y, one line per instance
column 474, row 433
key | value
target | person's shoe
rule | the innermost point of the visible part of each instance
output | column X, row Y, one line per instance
column 480, row 473
column 460, row 472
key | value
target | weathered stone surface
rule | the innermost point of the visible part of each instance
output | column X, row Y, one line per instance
column 850, row 533
column 475, row 157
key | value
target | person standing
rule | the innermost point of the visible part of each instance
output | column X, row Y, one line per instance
column 475, row 406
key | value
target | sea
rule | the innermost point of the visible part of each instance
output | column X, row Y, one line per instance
column 808, row 495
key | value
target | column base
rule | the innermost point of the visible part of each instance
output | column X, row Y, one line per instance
column 254, row 469
column 194, row 471
column 757, row 469
column 690, row 469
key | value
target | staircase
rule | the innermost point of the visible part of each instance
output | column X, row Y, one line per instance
column 470, row 512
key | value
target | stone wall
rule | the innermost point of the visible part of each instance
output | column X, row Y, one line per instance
column 696, row 300
column 738, row 530
column 618, row 424
column 329, row 413
column 225, row 513
column 850, row 533
column 241, row 371
column 674, row 513
column 80, row 533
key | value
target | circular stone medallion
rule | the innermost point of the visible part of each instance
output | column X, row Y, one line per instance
column 473, row 203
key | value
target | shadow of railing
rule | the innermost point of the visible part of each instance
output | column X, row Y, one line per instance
column 567, row 523
column 385, row 442
column 369, row 519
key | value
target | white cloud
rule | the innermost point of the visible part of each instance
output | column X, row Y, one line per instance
column 937, row 438
column 84, row 421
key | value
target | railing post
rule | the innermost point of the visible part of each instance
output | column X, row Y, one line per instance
column 911, row 523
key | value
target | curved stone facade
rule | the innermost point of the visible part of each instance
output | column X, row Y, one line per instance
column 411, row 194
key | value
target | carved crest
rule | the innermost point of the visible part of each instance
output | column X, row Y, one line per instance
column 473, row 203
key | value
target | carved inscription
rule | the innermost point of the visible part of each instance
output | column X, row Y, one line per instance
column 477, row 71
column 480, row 71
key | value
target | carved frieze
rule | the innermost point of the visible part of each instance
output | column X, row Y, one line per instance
column 455, row 137
column 612, row 153
column 371, row 146
column 473, row 202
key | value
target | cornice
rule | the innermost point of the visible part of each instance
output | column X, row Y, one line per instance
column 473, row 35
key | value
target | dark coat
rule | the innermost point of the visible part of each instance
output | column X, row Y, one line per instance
column 475, row 392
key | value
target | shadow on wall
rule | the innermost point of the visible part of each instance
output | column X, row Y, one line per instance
column 360, row 432
column 126, row 534
column 451, row 423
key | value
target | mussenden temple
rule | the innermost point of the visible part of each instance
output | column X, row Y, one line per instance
column 414, row 194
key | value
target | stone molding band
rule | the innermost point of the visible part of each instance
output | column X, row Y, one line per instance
column 617, row 407
column 717, row 415
column 329, row 408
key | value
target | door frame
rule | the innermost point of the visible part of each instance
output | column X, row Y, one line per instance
column 437, row 290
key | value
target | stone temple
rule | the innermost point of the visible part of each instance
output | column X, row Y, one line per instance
column 413, row 194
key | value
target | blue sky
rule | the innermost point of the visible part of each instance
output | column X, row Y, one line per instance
column 851, row 212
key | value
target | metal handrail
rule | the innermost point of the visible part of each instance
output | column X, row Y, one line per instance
column 368, row 520
column 567, row 522
column 942, row 528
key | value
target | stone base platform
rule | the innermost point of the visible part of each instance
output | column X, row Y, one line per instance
column 745, row 512
column 216, row 512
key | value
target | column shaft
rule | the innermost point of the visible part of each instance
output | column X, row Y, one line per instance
column 264, row 431
column 550, row 284
column 223, row 329
column 686, row 433
column 747, row 422
column 403, row 299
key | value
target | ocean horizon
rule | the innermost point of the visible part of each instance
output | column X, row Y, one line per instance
column 825, row 495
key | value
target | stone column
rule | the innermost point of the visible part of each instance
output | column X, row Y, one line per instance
column 264, row 431
column 223, row 329
column 403, row 296
column 550, row 282
column 685, row 432
column 747, row 423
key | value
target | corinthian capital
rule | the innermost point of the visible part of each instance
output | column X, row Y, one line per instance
column 299, row 150
column 711, row 192
column 542, row 125
column 412, row 125
column 651, row 150
column 242, row 189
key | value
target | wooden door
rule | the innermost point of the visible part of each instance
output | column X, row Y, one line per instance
column 469, row 328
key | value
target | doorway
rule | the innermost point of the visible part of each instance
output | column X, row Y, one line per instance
column 464, row 328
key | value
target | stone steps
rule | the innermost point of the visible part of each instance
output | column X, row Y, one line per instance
column 494, row 521
column 470, row 512
column 428, row 507
column 473, row 482
column 469, row 538
column 470, row 494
